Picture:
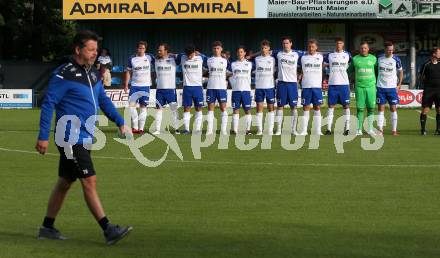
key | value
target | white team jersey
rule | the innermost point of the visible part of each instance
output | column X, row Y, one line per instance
column 388, row 67
column 264, row 71
column 192, row 69
column 140, row 67
column 241, row 75
column 287, row 65
column 166, row 73
column 312, row 70
column 217, row 67
column 338, row 63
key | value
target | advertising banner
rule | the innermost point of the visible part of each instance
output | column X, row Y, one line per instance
column 157, row 9
column 16, row 98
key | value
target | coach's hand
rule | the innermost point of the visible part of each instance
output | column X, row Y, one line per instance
column 124, row 131
column 126, row 89
column 42, row 146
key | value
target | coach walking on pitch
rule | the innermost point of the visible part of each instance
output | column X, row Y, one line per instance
column 76, row 92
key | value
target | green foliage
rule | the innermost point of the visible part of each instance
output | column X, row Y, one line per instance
column 34, row 30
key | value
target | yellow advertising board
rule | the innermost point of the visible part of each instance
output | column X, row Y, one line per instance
column 158, row 9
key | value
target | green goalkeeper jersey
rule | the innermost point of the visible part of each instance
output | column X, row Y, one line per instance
column 364, row 68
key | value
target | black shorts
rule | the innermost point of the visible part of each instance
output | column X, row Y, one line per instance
column 431, row 96
column 79, row 166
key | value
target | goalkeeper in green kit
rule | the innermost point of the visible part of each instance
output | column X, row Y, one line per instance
column 364, row 67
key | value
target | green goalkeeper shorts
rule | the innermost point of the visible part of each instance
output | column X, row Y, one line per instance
column 365, row 97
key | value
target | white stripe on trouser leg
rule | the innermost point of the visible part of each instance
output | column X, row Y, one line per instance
column 134, row 118
column 380, row 120
column 305, row 123
column 248, row 122
column 235, row 119
column 394, row 120
column 294, row 114
column 347, row 118
column 186, row 120
column 198, row 121
column 317, row 122
column 224, row 121
column 271, row 118
column 259, row 117
column 330, row 114
column 159, row 114
column 210, row 119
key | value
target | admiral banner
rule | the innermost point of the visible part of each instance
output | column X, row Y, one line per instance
column 16, row 98
column 158, row 9
column 353, row 9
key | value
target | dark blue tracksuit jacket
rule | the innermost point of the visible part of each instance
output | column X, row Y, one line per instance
column 75, row 90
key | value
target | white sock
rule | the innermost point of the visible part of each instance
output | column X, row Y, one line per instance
column 235, row 119
column 198, row 120
column 142, row 118
column 248, row 122
column 347, row 118
column 224, row 121
column 210, row 119
column 330, row 114
column 259, row 122
column 394, row 120
column 294, row 114
column 271, row 118
column 380, row 120
column 173, row 108
column 279, row 120
column 306, row 117
column 186, row 120
column 317, row 122
column 159, row 114
column 134, row 118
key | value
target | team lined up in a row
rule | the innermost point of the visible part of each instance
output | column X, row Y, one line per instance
column 277, row 74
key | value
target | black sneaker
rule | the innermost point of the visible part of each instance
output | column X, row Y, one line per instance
column 423, row 132
column 177, row 131
column 346, row 132
column 114, row 233
column 50, row 233
column 248, row 132
column 328, row 132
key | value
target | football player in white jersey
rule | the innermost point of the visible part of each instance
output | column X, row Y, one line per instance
column 389, row 80
column 339, row 84
column 218, row 68
column 139, row 70
column 312, row 70
column 265, row 86
column 287, row 85
column 165, row 68
column 192, row 69
column 241, row 89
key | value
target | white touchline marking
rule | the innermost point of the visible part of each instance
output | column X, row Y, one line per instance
column 281, row 164
column 428, row 116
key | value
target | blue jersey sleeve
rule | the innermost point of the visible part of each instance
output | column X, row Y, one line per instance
column 55, row 93
column 106, row 105
column 326, row 58
column 153, row 61
column 398, row 62
column 229, row 67
column 179, row 59
column 129, row 64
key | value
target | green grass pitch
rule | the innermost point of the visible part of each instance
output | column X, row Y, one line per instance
column 231, row 203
